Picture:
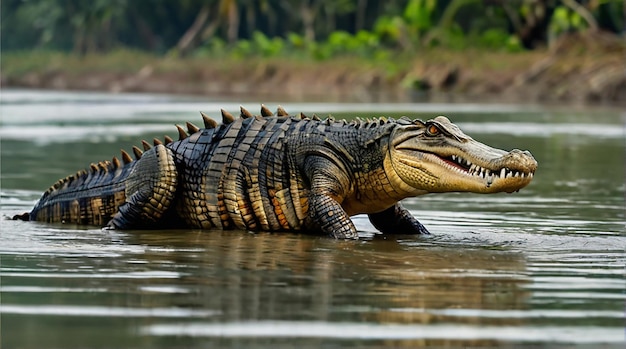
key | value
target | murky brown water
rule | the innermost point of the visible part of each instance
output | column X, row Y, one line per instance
column 541, row 268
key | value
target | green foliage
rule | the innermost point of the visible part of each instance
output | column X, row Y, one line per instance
column 499, row 39
column 418, row 15
column 452, row 37
column 297, row 41
column 565, row 20
column 265, row 46
column 215, row 47
column 339, row 43
column 276, row 27
column 44, row 19
column 362, row 43
column 389, row 29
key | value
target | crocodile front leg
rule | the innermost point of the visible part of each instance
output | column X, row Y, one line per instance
column 328, row 187
column 397, row 220
column 326, row 212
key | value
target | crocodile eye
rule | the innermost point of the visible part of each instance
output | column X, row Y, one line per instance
column 432, row 130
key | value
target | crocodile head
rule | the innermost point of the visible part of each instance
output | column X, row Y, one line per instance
column 436, row 156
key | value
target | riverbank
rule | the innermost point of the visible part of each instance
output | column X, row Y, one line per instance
column 580, row 69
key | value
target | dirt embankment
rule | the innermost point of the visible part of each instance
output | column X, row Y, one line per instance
column 580, row 68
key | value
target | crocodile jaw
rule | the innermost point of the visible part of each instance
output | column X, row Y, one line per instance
column 437, row 173
column 436, row 156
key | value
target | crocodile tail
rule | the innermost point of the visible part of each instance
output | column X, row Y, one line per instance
column 133, row 194
column 87, row 197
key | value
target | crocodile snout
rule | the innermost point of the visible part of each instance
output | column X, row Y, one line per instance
column 521, row 160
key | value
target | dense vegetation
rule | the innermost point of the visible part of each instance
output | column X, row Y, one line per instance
column 319, row 29
column 393, row 49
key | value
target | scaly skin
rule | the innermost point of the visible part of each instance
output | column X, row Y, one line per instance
column 285, row 173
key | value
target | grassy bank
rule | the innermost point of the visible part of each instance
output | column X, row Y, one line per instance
column 579, row 69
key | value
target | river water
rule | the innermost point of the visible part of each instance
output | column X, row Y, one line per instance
column 543, row 267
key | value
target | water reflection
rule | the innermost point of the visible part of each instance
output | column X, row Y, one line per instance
column 285, row 277
column 239, row 277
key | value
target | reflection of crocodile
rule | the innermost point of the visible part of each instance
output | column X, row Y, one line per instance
column 284, row 173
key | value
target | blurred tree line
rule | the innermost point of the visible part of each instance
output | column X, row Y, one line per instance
column 320, row 28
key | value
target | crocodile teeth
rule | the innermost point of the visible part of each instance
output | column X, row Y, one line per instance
column 461, row 161
column 484, row 173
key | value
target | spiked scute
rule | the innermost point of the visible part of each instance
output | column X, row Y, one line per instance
column 227, row 117
column 126, row 157
column 265, row 112
column 181, row 133
column 137, row 152
column 245, row 114
column 102, row 166
column 281, row 112
column 146, row 145
column 208, row 121
column 191, row 128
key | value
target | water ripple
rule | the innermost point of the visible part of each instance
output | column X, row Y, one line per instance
column 371, row 331
column 69, row 310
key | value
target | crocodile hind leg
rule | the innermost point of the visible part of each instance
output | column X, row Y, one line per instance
column 150, row 190
column 397, row 220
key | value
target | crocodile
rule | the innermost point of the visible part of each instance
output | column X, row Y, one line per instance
column 280, row 172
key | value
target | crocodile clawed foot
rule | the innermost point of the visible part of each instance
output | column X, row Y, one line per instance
column 414, row 227
column 397, row 220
